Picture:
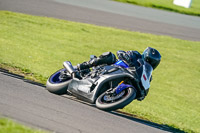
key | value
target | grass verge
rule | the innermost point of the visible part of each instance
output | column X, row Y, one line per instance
column 167, row 5
column 9, row 126
column 37, row 46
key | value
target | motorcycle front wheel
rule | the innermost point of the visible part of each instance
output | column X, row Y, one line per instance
column 109, row 102
column 58, row 84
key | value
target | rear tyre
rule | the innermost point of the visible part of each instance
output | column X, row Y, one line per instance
column 108, row 102
column 56, row 85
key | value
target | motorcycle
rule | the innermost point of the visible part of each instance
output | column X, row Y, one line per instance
column 110, row 87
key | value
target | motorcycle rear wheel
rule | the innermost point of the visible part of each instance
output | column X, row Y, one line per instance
column 127, row 96
column 57, row 86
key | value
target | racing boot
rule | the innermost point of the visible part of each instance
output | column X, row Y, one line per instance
column 84, row 65
column 87, row 65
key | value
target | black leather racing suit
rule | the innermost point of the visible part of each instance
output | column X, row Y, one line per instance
column 130, row 57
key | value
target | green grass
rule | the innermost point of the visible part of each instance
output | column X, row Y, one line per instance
column 40, row 45
column 167, row 5
column 9, row 126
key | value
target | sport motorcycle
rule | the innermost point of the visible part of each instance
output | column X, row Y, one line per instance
column 109, row 87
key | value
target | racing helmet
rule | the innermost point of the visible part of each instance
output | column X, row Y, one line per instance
column 152, row 56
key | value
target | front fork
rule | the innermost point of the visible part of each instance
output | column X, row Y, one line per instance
column 119, row 88
column 122, row 87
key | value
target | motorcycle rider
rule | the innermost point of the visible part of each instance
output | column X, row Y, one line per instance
column 150, row 55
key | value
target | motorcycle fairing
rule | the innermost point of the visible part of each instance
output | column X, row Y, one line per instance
column 121, row 64
column 146, row 75
column 82, row 88
column 89, row 89
column 81, row 85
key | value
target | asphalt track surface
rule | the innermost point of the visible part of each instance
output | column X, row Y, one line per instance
column 32, row 105
column 111, row 14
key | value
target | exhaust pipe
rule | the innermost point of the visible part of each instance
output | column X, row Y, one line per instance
column 69, row 67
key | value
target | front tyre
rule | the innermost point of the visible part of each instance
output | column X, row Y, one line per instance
column 109, row 102
column 58, row 82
